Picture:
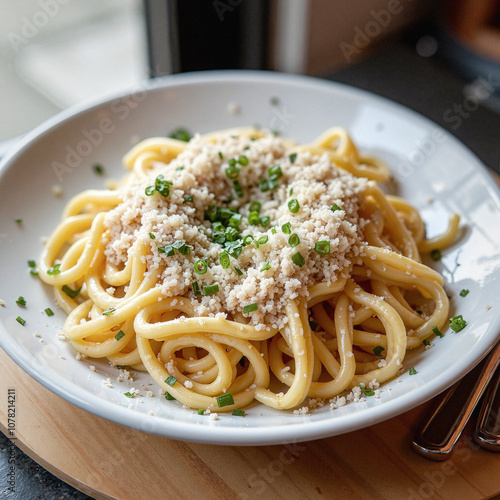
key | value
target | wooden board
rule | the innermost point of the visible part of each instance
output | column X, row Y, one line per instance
column 106, row 460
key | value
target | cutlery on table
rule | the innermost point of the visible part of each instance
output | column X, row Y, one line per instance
column 442, row 426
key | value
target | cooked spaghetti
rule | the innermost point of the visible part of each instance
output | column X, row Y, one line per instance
column 238, row 259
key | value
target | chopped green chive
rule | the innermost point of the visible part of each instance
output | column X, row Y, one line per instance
column 237, row 189
column 273, row 183
column 322, row 247
column 181, row 134
column 274, row 101
column 70, row 292
column 292, row 157
column 152, row 236
column 435, row 254
column 238, row 413
column 436, row 331
column 21, row 301
column 250, row 308
column 293, row 206
column 188, row 198
column 120, row 335
column 128, row 394
column 263, row 185
column 210, row 289
column 150, row 191
column 169, row 397
column 298, row 259
column 265, row 221
column 225, row 400
column 275, row 172
column 220, row 155
column 201, row 411
column 49, row 312
column 21, row 320
column 31, row 263
column 413, row 371
column 162, row 186
column 243, row 160
column 291, row 192
column 238, row 270
column 109, row 311
column 426, row 342
column 99, row 169
column 263, row 240
column 335, row 207
column 178, row 169
column 266, row 266
column 224, row 260
column 464, row 292
column 33, row 272
column 457, row 323
column 294, row 240
column 366, row 392
column 255, row 206
column 170, row 380
column 232, row 172
column 54, row 270
column 378, row 351
column 200, row 267
column 253, row 218
column 247, row 240
column 235, row 220
column 167, row 250
column 287, row 228
column 19, row 220
column 180, row 246
column 196, row 288
column 273, row 230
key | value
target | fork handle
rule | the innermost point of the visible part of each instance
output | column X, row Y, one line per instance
column 487, row 432
column 441, row 428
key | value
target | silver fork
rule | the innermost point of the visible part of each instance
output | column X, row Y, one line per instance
column 441, row 428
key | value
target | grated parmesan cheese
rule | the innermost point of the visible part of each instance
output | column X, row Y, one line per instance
column 317, row 184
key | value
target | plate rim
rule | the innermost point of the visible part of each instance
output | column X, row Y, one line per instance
column 232, row 435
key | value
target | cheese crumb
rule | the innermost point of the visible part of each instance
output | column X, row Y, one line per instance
column 107, row 383
column 302, row 411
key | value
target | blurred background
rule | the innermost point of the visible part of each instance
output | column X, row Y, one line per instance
column 438, row 57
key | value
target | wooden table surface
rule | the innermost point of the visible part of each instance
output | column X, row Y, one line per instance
column 106, row 460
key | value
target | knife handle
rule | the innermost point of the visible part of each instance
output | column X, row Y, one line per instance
column 441, row 428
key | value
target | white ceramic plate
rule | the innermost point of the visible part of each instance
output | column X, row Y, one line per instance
column 431, row 168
